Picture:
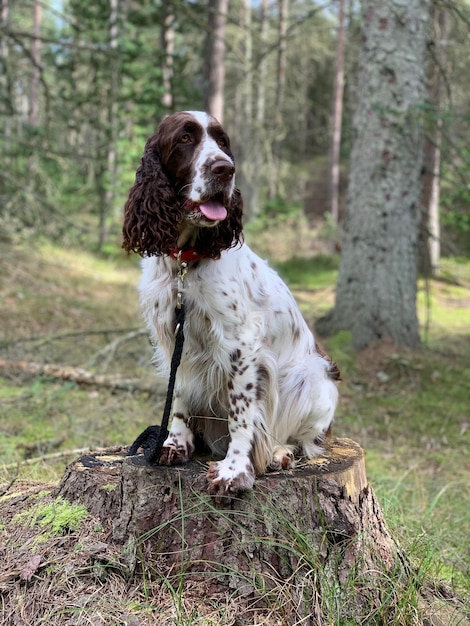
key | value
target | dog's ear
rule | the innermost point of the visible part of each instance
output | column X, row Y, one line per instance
column 236, row 217
column 151, row 213
column 231, row 229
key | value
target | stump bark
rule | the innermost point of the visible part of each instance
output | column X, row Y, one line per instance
column 318, row 527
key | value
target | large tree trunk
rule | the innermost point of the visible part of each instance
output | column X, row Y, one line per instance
column 319, row 525
column 376, row 292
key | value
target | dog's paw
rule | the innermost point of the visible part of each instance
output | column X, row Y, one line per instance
column 226, row 480
column 177, row 448
column 174, row 455
column 283, row 458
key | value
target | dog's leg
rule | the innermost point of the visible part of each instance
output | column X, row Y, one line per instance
column 179, row 445
column 236, row 473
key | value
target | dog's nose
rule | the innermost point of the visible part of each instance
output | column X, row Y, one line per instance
column 224, row 170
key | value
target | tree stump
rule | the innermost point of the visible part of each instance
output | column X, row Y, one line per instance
column 318, row 527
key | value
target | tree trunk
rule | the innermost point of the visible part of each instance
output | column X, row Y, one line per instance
column 430, row 228
column 249, row 157
column 214, row 59
column 258, row 140
column 33, row 116
column 7, row 106
column 108, row 177
column 36, row 59
column 337, row 116
column 376, row 291
column 274, row 187
column 320, row 523
column 168, row 47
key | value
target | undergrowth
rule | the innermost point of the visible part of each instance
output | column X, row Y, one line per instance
column 409, row 411
column 54, row 518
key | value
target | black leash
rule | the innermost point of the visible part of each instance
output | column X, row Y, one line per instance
column 151, row 440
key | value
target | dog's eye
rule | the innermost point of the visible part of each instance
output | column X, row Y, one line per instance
column 222, row 142
column 186, row 138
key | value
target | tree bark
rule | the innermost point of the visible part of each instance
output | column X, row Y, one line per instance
column 320, row 522
column 376, row 291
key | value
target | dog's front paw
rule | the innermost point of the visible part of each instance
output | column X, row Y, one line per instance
column 177, row 448
column 227, row 479
column 174, row 455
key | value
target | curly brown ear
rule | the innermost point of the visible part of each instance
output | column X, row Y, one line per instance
column 236, row 213
column 152, row 211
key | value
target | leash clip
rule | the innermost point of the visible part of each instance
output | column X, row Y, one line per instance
column 182, row 272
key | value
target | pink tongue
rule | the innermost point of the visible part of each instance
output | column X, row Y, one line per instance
column 213, row 210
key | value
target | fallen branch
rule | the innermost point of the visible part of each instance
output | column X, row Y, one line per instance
column 6, row 488
column 56, row 456
column 77, row 375
column 107, row 354
column 45, row 339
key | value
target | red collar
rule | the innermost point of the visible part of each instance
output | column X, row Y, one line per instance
column 186, row 255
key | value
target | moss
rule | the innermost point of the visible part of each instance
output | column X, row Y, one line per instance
column 110, row 487
column 55, row 518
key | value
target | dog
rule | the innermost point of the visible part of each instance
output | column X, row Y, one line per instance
column 253, row 384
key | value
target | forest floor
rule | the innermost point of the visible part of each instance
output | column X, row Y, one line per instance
column 409, row 411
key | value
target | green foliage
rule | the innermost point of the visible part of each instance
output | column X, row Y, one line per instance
column 100, row 98
column 277, row 211
column 54, row 518
column 315, row 273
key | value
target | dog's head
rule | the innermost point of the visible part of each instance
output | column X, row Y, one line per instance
column 184, row 192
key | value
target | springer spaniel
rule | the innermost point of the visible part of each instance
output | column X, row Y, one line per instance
column 252, row 383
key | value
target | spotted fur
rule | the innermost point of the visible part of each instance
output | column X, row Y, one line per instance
column 252, row 383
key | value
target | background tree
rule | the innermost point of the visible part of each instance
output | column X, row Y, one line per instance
column 214, row 59
column 168, row 47
column 450, row 123
column 337, row 115
column 279, row 130
column 430, row 237
column 110, row 70
column 376, row 291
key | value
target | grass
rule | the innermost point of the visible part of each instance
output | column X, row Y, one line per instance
column 54, row 518
column 410, row 411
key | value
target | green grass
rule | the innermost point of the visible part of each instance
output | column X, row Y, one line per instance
column 44, row 417
column 315, row 273
column 409, row 411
